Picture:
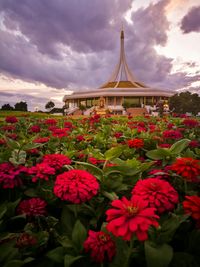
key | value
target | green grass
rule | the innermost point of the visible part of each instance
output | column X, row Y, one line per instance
column 6, row 113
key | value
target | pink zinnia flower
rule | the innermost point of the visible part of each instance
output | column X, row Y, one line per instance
column 41, row 171
column 80, row 138
column 118, row 134
column 10, row 175
column 129, row 217
column 77, row 186
column 8, row 128
column 100, row 245
column 194, row 143
column 158, row 193
column 35, row 129
column 172, row 134
column 11, row 119
column 32, row 207
column 56, row 161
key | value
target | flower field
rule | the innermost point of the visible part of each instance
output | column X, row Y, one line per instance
column 99, row 191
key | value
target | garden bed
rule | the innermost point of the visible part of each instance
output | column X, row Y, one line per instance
column 99, row 191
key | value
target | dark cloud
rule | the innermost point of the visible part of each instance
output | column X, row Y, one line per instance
column 82, row 25
column 75, row 44
column 191, row 21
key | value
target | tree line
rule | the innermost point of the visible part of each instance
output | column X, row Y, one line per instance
column 179, row 103
column 20, row 106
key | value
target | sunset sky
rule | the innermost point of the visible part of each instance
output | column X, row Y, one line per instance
column 50, row 47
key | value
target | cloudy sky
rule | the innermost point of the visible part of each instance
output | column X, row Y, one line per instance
column 50, row 47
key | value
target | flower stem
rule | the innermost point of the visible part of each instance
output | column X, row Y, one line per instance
column 127, row 261
column 185, row 186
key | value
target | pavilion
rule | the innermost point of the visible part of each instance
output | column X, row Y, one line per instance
column 121, row 91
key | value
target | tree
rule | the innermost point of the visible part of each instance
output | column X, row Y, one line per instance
column 21, row 106
column 49, row 105
column 7, row 107
column 185, row 102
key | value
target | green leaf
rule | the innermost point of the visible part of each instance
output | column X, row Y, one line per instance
column 92, row 168
column 184, row 259
column 65, row 242
column 3, row 210
column 67, row 220
column 159, row 256
column 160, row 153
column 168, row 228
column 31, row 192
column 8, row 251
column 121, row 254
column 79, row 235
column 18, row 263
column 179, row 146
column 113, row 152
column 110, row 195
column 18, row 157
column 11, row 206
column 32, row 146
column 69, row 259
column 56, row 254
column 189, row 154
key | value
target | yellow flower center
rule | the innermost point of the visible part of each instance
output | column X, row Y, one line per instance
column 132, row 210
column 103, row 237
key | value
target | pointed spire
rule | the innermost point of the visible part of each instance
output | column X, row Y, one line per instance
column 122, row 76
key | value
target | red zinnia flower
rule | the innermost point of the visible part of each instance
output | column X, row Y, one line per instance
column 191, row 123
column 131, row 216
column 10, row 175
column 188, row 168
column 60, row 132
column 2, row 141
column 192, row 206
column 41, row 140
column 118, row 134
column 95, row 161
column 25, row 240
column 158, row 193
column 68, row 124
column 32, row 207
column 12, row 136
column 136, row 143
column 56, row 161
column 77, row 186
column 101, row 245
column 11, row 119
column 35, row 129
column 8, row 128
column 172, row 134
column 194, row 143
column 80, row 138
column 50, row 121
column 41, row 171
